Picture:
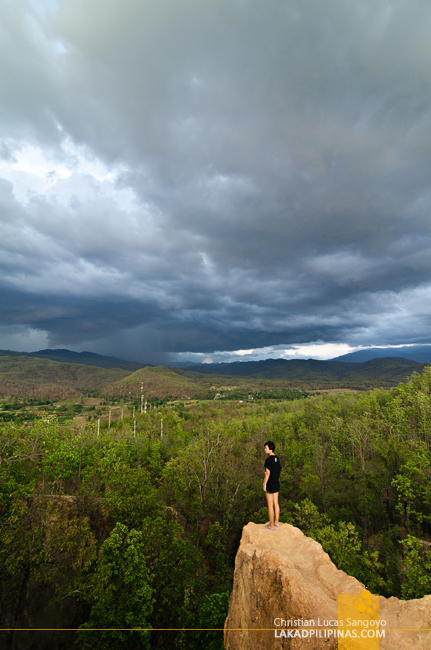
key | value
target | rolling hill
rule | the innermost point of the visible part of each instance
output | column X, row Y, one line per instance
column 37, row 378
column 158, row 382
column 83, row 358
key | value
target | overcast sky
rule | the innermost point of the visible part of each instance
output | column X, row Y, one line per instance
column 215, row 179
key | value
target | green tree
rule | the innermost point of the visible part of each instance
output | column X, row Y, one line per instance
column 130, row 496
column 120, row 593
column 413, row 488
column 42, row 542
column 418, row 575
column 213, row 615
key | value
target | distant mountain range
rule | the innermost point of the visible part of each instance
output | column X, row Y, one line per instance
column 419, row 353
column 84, row 358
column 19, row 369
column 52, row 373
column 389, row 369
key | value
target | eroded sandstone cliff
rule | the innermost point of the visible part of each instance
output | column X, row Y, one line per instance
column 284, row 576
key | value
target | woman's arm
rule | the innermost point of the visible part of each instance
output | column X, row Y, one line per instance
column 265, row 480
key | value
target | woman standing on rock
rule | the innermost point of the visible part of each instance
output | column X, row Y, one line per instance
column 271, row 485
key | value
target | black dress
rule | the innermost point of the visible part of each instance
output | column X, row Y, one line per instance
column 273, row 464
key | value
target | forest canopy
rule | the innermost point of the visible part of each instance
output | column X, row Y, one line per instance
column 136, row 523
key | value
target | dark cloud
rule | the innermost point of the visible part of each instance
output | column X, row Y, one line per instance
column 200, row 176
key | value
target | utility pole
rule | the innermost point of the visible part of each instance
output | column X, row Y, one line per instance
column 134, row 428
column 161, row 428
column 142, row 398
column 145, row 407
column 98, row 426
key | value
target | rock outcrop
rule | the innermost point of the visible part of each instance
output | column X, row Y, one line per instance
column 283, row 575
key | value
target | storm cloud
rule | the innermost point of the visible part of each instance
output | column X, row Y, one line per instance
column 215, row 175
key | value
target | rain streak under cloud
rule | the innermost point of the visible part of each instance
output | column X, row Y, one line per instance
column 215, row 179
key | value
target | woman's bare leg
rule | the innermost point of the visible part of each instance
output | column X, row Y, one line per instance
column 270, row 502
column 276, row 509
